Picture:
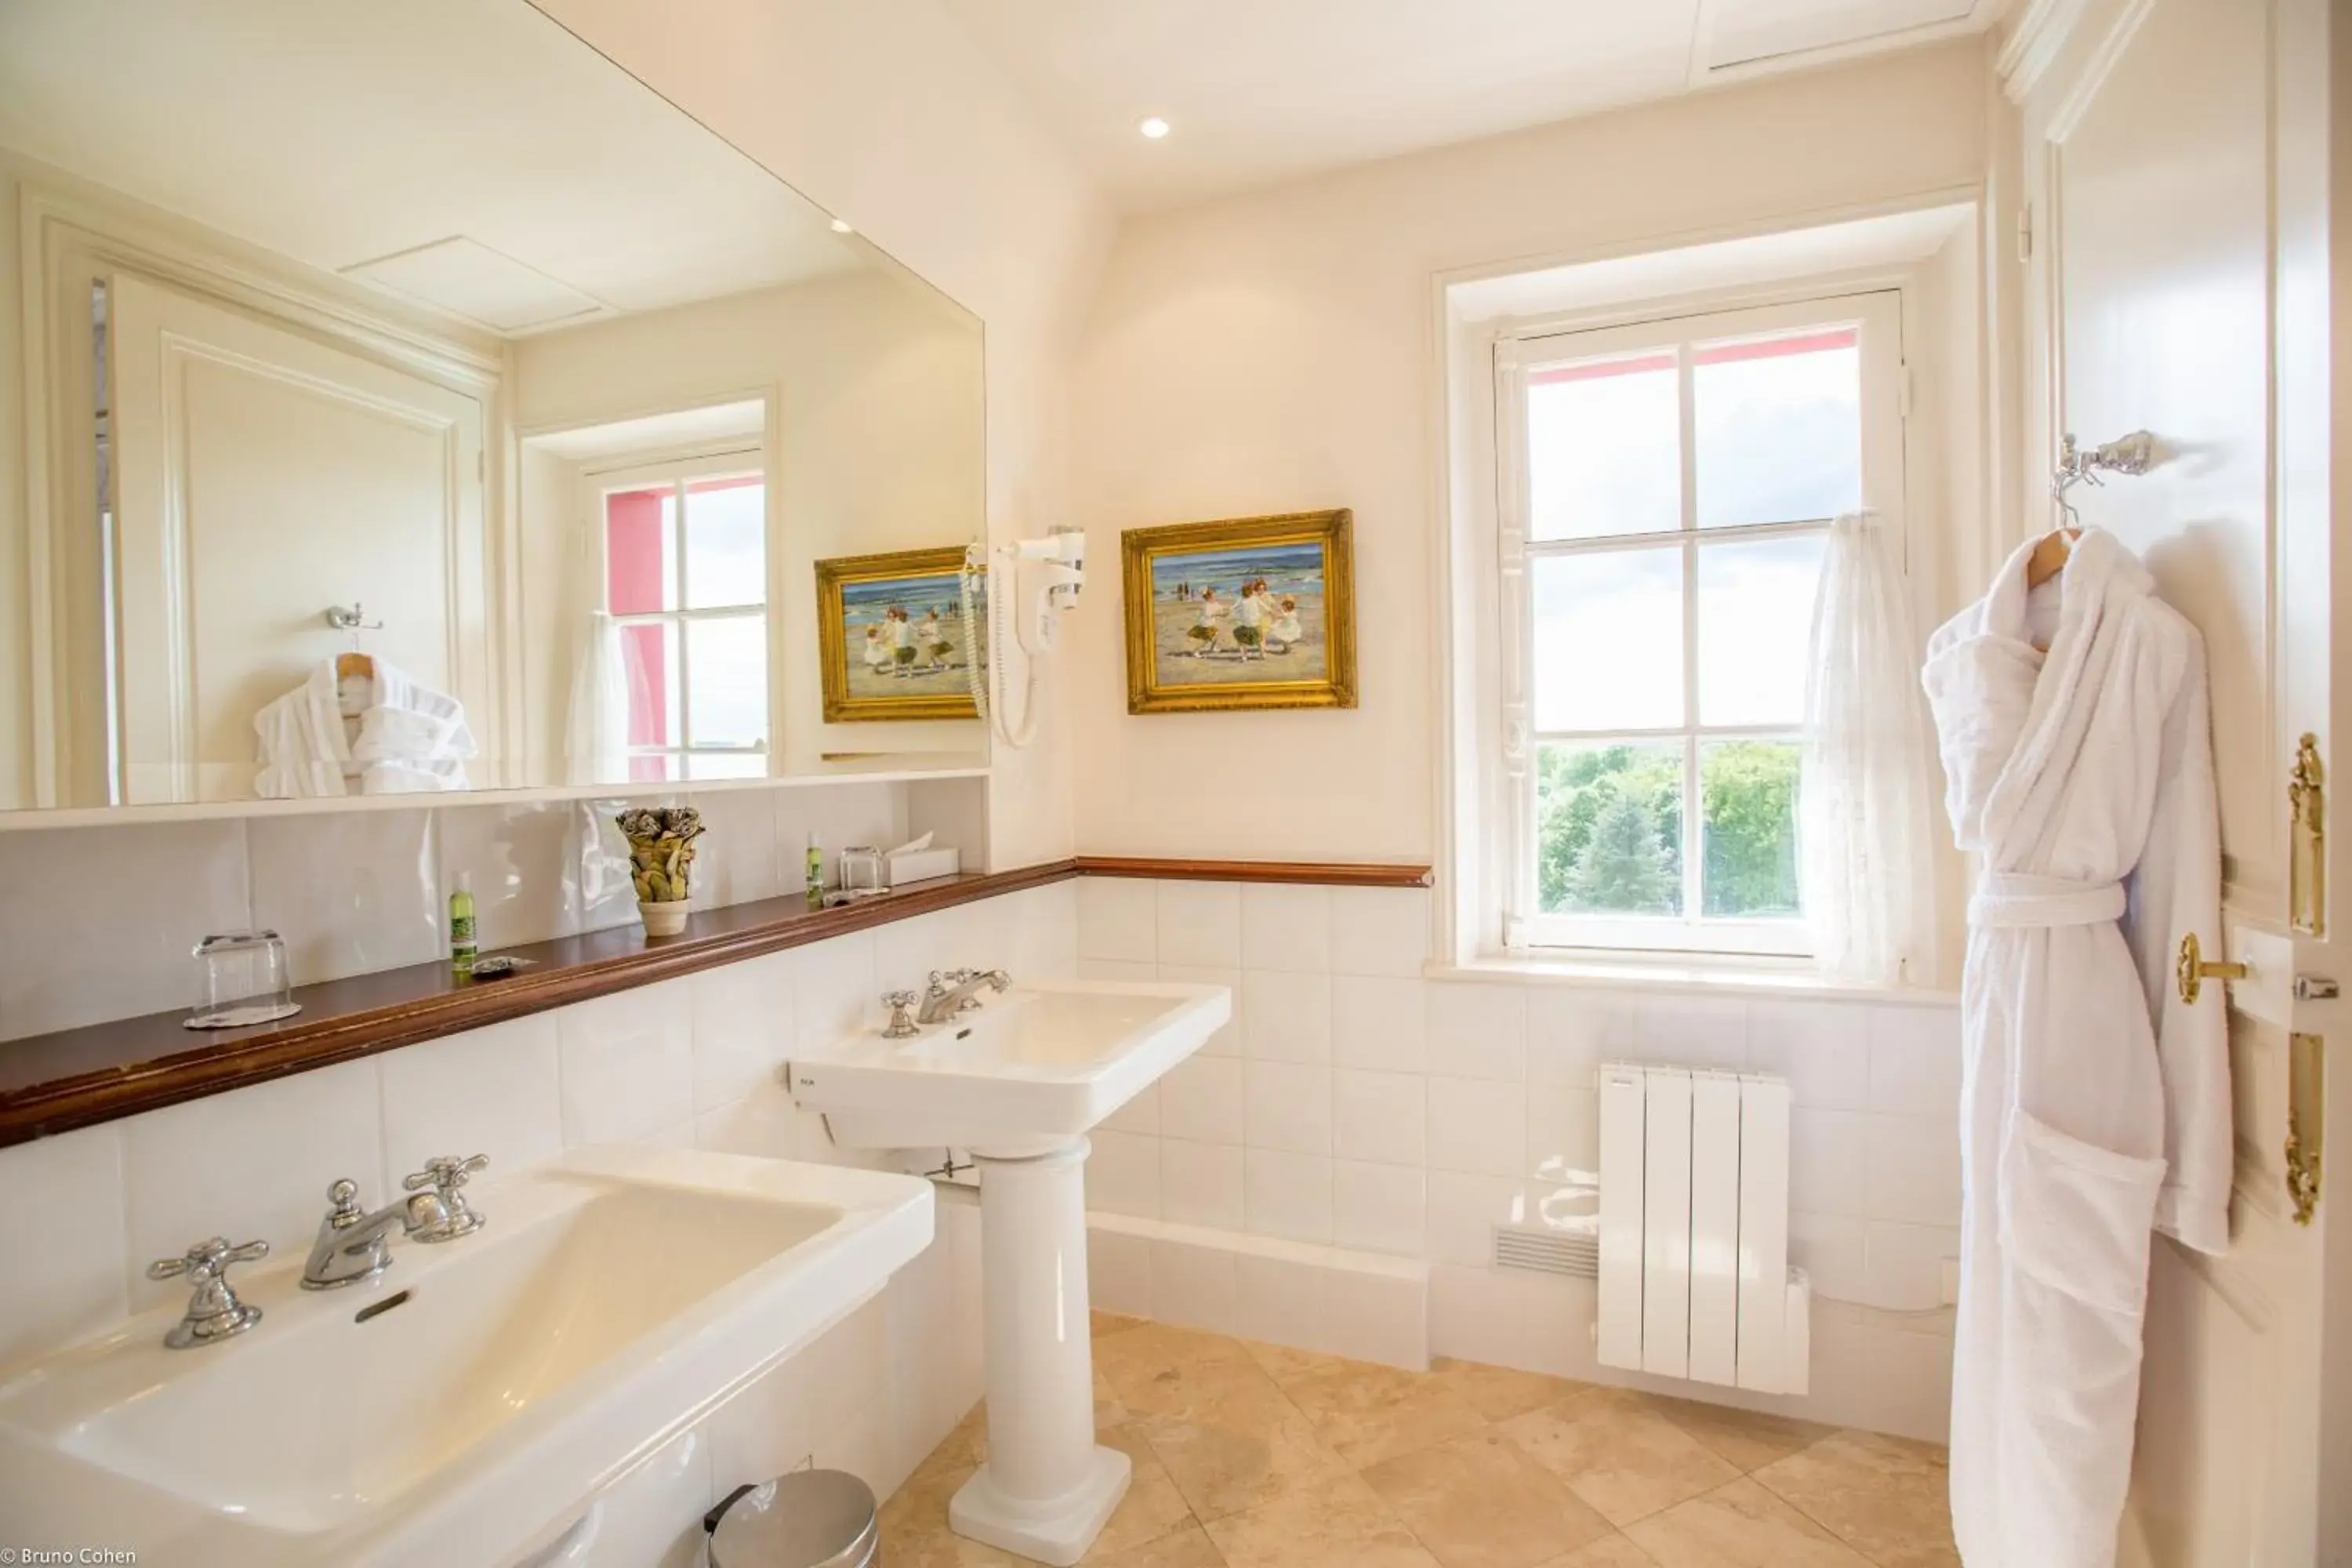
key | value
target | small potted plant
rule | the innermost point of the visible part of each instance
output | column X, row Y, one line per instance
column 661, row 857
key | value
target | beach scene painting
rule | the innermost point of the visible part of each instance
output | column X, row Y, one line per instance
column 1245, row 612
column 892, row 638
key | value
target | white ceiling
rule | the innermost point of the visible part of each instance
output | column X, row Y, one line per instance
column 343, row 133
column 1260, row 90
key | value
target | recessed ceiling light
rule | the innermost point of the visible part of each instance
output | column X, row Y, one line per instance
column 1153, row 127
column 840, row 227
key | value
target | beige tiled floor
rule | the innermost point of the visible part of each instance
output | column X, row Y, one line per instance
column 1250, row 1456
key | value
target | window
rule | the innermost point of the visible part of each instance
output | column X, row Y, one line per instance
column 1665, row 491
column 685, row 579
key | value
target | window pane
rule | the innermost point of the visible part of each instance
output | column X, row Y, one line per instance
column 1778, row 428
column 1609, row 639
column 649, row 663
column 1604, row 449
column 637, row 545
column 727, row 667
column 1609, row 829
column 1748, row 864
column 726, row 543
column 1755, row 626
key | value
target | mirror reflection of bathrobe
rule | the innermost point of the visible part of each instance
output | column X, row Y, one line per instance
column 387, row 735
column 2096, row 1104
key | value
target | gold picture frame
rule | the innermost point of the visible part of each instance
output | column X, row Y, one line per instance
column 882, row 606
column 1245, row 613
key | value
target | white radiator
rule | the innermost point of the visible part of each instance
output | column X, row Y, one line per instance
column 1694, row 1275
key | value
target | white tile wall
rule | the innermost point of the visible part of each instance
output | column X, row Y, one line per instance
column 1287, row 927
column 1199, row 923
column 1287, row 1195
column 1352, row 1103
column 873, row 1394
column 490, row 1091
column 1201, row 1183
column 127, row 903
column 517, row 857
column 350, row 892
column 356, row 891
column 1388, row 1114
column 68, row 1236
column 1119, row 919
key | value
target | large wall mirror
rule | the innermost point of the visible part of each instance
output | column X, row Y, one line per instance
column 406, row 398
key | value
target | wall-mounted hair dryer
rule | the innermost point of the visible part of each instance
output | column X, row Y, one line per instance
column 1058, row 570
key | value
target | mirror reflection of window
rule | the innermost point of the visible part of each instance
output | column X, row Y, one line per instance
column 685, row 583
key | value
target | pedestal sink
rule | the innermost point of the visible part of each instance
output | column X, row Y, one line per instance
column 1020, row 1083
column 469, row 1402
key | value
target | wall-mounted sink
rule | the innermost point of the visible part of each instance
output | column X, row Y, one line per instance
column 467, row 1404
column 1020, row 1081
column 1025, row 1072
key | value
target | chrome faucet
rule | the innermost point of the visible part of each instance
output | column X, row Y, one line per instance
column 353, row 1245
column 213, row 1311
column 950, row 991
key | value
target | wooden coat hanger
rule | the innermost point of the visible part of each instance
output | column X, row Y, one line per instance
column 351, row 664
column 2050, row 555
column 2057, row 546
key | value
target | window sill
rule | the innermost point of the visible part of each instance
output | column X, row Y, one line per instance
column 1706, row 975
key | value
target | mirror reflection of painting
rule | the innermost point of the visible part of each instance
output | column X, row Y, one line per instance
column 1252, row 613
column 894, row 641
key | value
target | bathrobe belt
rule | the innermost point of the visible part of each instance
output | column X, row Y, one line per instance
column 2017, row 899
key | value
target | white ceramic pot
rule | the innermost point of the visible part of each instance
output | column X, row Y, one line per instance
column 666, row 919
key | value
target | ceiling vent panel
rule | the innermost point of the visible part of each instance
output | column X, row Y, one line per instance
column 468, row 279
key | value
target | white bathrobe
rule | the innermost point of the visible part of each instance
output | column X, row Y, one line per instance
column 2096, row 1104
column 409, row 739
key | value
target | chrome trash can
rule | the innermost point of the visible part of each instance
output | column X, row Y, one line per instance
column 809, row 1519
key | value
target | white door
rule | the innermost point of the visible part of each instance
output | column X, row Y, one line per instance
column 2175, row 161
column 263, row 476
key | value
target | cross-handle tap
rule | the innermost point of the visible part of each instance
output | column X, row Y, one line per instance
column 902, row 1025
column 444, row 1215
column 213, row 1311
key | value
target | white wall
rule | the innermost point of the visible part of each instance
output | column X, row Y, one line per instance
column 1277, row 350
column 693, row 1062
column 1354, row 1103
column 878, row 389
column 886, row 113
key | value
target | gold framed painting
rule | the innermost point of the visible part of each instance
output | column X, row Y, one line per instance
column 890, row 636
column 1251, row 612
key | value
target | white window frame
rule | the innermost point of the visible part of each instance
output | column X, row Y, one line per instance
column 675, row 474
column 1877, row 314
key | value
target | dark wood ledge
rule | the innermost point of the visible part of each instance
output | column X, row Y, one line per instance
column 1329, row 874
column 52, row 1083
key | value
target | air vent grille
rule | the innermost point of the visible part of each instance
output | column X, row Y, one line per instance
column 1544, row 1250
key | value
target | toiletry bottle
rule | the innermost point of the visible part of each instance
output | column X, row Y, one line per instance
column 461, row 928
column 815, row 873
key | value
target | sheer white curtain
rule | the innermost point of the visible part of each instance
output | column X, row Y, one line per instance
column 1865, row 859
column 596, row 732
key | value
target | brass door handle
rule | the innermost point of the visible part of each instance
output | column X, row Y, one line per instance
column 2192, row 971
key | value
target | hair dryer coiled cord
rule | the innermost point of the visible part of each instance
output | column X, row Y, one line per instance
column 977, row 565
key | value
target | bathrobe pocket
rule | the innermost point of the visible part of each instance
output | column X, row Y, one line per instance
column 2078, row 1217
column 2076, row 1223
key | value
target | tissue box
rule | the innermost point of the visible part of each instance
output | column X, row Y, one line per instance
column 921, row 866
